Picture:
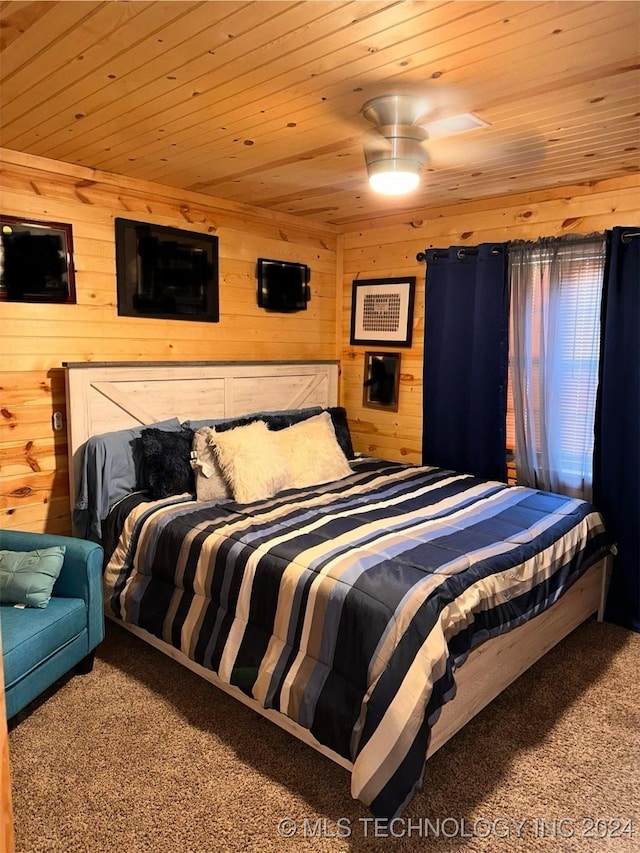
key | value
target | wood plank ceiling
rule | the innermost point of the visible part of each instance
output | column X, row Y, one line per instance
column 258, row 102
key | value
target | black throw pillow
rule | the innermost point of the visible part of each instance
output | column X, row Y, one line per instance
column 282, row 421
column 342, row 431
column 166, row 460
column 236, row 422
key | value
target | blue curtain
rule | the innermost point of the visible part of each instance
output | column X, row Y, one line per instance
column 466, row 359
column 616, row 486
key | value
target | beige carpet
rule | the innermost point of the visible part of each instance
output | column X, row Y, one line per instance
column 142, row 755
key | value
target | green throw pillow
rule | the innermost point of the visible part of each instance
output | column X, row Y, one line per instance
column 27, row 577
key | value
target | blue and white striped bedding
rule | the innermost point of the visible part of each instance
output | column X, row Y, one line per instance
column 348, row 606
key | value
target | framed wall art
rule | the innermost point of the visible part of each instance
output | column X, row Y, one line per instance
column 382, row 311
column 381, row 384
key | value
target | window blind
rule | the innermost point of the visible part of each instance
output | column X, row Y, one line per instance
column 556, row 294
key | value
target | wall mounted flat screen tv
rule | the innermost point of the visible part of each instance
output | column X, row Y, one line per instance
column 282, row 285
column 166, row 273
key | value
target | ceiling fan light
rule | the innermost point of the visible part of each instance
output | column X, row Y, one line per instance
column 394, row 175
column 394, row 157
column 394, row 182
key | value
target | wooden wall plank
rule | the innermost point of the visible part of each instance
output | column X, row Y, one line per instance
column 24, row 388
column 618, row 196
column 50, row 516
column 19, row 458
column 36, row 489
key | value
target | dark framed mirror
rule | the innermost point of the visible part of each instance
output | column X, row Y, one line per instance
column 381, row 384
column 36, row 261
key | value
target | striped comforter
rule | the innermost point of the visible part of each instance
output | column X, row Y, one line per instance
column 347, row 607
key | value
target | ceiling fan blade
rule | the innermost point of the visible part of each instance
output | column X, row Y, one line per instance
column 527, row 149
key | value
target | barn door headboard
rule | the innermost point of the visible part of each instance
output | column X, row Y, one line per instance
column 107, row 396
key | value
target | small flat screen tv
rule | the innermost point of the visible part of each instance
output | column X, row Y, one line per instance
column 282, row 285
column 166, row 273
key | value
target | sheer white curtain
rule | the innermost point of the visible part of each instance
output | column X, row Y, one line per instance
column 556, row 289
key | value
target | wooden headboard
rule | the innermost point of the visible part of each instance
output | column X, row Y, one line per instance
column 107, row 396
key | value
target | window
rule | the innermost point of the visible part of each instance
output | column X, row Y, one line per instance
column 556, row 288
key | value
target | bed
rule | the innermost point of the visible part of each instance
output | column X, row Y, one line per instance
column 370, row 614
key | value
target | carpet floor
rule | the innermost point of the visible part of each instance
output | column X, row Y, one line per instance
column 142, row 756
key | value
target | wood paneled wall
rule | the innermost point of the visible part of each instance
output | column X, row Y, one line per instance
column 35, row 339
column 388, row 248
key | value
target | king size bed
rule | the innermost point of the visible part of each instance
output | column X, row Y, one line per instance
column 370, row 608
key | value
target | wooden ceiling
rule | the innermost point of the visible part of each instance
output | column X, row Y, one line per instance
column 258, row 102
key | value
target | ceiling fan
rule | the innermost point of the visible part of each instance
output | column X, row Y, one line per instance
column 395, row 148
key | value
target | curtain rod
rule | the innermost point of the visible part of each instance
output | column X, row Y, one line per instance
column 625, row 237
column 463, row 252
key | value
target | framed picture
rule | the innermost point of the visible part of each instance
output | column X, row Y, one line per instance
column 36, row 261
column 382, row 311
column 381, row 384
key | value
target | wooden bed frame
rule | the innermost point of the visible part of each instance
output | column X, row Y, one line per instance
column 102, row 397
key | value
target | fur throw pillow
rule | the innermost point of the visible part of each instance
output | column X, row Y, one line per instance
column 252, row 462
column 312, row 452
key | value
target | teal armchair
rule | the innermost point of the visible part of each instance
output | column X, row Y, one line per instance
column 40, row 645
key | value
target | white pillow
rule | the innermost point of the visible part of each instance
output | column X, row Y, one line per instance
column 252, row 462
column 210, row 484
column 312, row 452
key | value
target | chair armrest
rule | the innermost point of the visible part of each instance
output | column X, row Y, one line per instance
column 80, row 576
